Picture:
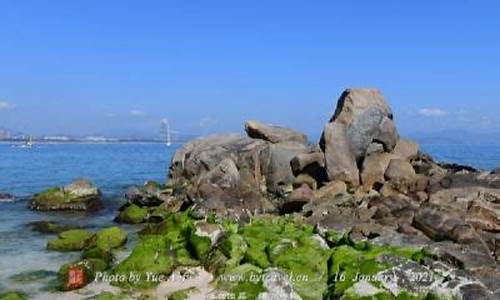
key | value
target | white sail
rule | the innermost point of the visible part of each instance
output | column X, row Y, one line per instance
column 165, row 128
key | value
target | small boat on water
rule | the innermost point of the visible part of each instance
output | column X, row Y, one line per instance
column 165, row 129
column 28, row 144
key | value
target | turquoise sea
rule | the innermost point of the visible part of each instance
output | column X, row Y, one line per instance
column 113, row 167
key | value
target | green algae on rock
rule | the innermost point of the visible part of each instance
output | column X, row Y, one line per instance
column 133, row 214
column 13, row 296
column 80, row 195
column 71, row 240
column 110, row 238
column 161, row 249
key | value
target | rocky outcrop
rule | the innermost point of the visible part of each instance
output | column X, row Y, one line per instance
column 80, row 195
column 360, row 187
column 273, row 134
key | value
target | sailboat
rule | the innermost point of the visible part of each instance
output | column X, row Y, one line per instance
column 28, row 144
column 165, row 128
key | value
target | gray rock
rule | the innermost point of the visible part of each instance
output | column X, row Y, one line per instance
column 81, row 195
column 469, row 257
column 439, row 224
column 366, row 117
column 277, row 286
column 273, row 134
column 276, row 166
column 297, row 199
column 340, row 160
column 399, row 169
column 406, row 149
column 409, row 277
column 304, row 160
column 374, row 167
column 387, row 135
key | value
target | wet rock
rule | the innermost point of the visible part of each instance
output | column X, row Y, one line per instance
column 151, row 194
column 458, row 168
column 50, row 227
column 273, row 134
column 81, row 195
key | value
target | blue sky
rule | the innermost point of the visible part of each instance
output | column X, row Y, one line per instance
column 118, row 67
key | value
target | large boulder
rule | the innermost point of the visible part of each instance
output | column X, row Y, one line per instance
column 367, row 117
column 273, row 134
column 340, row 160
column 362, row 124
column 406, row 149
column 374, row 167
column 80, row 195
column 233, row 175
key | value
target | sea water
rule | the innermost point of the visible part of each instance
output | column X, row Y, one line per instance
column 23, row 172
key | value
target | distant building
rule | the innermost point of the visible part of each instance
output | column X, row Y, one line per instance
column 4, row 134
column 56, row 138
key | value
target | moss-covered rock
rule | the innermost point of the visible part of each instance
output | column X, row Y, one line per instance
column 162, row 248
column 282, row 243
column 80, row 195
column 348, row 263
column 98, row 253
column 133, row 214
column 88, row 267
column 13, row 296
column 154, row 255
column 71, row 240
column 233, row 246
column 110, row 238
column 199, row 246
column 243, row 280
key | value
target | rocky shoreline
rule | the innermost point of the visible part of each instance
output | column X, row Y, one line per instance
column 362, row 214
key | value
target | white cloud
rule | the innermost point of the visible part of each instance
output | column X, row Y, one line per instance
column 137, row 113
column 432, row 112
column 110, row 115
column 4, row 105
